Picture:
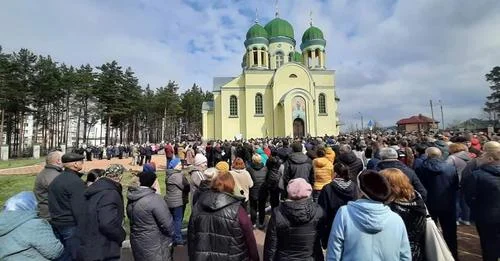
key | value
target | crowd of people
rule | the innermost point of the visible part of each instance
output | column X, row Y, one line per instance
column 326, row 198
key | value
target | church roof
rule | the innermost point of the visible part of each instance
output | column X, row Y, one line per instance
column 220, row 81
column 420, row 119
column 312, row 33
column 279, row 27
column 256, row 31
column 207, row 106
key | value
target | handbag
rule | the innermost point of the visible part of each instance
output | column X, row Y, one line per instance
column 435, row 246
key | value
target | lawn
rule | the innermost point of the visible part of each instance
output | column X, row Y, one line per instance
column 13, row 184
column 14, row 163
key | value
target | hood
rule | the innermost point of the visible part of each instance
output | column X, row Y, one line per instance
column 298, row 158
column 299, row 211
column 172, row 171
column 136, row 193
column 348, row 158
column 463, row 155
column 260, row 151
column 213, row 201
column 321, row 162
column 10, row 220
column 342, row 187
column 101, row 185
column 433, row 166
column 257, row 167
column 385, row 164
column 205, row 185
column 368, row 215
column 416, row 205
column 492, row 169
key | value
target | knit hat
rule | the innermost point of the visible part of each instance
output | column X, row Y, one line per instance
column 238, row 163
column 298, row 189
column 147, row 179
column 114, row 171
column 149, row 167
column 173, row 163
column 222, row 166
column 210, row 173
column 199, row 159
column 374, row 186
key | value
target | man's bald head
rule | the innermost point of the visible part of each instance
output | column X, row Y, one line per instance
column 54, row 158
column 433, row 153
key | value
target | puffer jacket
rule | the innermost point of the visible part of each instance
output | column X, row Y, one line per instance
column 323, row 172
column 24, row 236
column 298, row 165
column 441, row 181
column 258, row 174
column 151, row 225
column 176, row 184
column 482, row 193
column 292, row 233
column 414, row 179
column 354, row 164
column 214, row 231
column 102, row 233
column 330, row 154
column 414, row 215
column 331, row 198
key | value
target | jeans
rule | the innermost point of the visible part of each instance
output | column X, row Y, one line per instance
column 177, row 215
column 71, row 243
column 463, row 210
column 489, row 236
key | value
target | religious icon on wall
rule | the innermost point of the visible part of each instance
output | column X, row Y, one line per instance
column 298, row 108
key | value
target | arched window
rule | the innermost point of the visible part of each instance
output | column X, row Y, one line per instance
column 263, row 57
column 322, row 103
column 290, row 57
column 259, row 109
column 279, row 59
column 255, row 56
column 233, row 106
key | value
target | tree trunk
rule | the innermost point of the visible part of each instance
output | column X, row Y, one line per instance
column 85, row 120
column 21, row 142
column 2, row 118
column 78, row 128
column 134, row 121
column 106, row 142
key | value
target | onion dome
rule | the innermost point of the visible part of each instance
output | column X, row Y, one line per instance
column 312, row 36
column 279, row 28
column 256, row 35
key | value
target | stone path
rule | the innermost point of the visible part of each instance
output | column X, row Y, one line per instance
column 88, row 165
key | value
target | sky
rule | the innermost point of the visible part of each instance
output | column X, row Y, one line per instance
column 391, row 57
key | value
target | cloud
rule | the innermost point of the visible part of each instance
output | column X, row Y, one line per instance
column 390, row 57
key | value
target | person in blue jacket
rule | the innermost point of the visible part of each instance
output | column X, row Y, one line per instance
column 367, row 229
column 23, row 235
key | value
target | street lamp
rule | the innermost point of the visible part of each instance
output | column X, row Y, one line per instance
column 361, row 115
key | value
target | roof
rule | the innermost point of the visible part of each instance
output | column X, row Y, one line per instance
column 207, row 106
column 279, row 27
column 312, row 33
column 256, row 31
column 220, row 81
column 416, row 120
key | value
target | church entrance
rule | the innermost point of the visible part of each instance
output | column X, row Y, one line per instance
column 298, row 128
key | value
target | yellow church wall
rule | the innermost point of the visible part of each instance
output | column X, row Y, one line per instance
column 327, row 123
column 217, row 115
column 284, row 83
column 232, row 125
column 259, row 125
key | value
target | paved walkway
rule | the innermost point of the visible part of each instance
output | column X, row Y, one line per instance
column 88, row 165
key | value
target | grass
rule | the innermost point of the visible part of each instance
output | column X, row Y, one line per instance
column 13, row 184
column 22, row 162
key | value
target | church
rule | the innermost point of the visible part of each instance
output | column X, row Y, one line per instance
column 280, row 92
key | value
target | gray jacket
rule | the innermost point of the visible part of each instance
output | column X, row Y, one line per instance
column 151, row 225
column 41, row 188
column 177, row 185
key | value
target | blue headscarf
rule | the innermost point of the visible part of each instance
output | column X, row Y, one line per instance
column 22, row 201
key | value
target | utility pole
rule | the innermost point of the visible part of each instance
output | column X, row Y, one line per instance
column 361, row 115
column 442, row 115
column 432, row 113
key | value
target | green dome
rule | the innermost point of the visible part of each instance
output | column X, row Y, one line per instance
column 256, row 31
column 297, row 57
column 313, row 33
column 279, row 27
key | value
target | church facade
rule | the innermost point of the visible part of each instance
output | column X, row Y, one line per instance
column 281, row 92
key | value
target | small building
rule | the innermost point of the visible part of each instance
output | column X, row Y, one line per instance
column 417, row 123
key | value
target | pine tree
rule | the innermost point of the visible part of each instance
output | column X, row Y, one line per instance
column 492, row 105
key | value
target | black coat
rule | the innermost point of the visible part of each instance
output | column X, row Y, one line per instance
column 414, row 215
column 204, row 186
column 151, row 225
column 334, row 195
column 284, row 152
column 441, row 182
column 258, row 174
column 354, row 164
column 482, row 193
column 66, row 198
column 214, row 231
column 102, row 233
column 292, row 232
column 298, row 165
column 410, row 173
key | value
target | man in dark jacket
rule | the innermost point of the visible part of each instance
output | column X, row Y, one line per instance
column 53, row 167
column 298, row 165
column 102, row 233
column 66, row 198
column 258, row 198
column 482, row 193
column 284, row 151
column 389, row 158
column 292, row 233
column 441, row 181
column 151, row 225
column 354, row 163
